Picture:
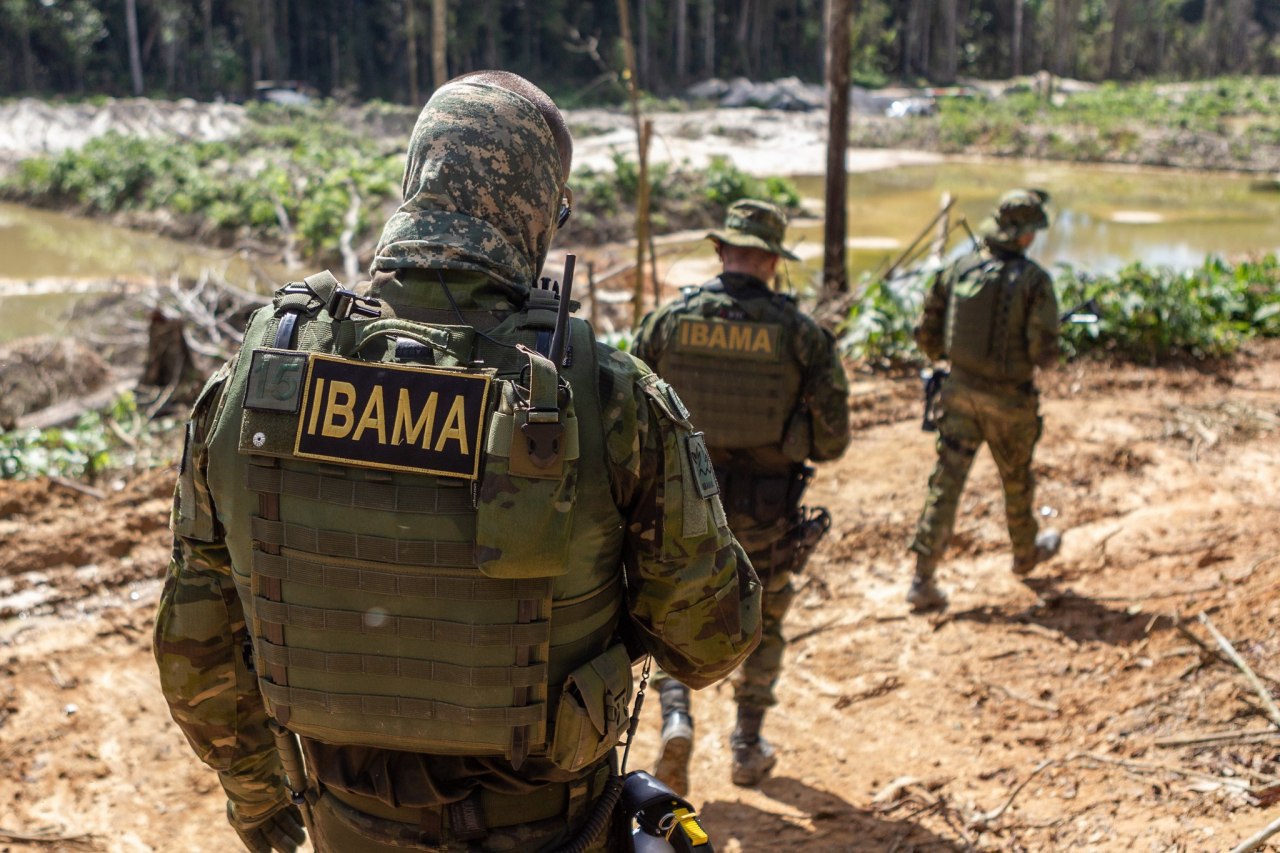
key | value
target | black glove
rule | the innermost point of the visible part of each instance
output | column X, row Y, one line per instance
column 281, row 830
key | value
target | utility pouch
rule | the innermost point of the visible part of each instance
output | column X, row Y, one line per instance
column 525, row 503
column 593, row 710
column 797, row 438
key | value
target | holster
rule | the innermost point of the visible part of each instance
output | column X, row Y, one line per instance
column 659, row 815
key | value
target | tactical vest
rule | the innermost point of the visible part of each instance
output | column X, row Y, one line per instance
column 987, row 319
column 732, row 362
column 422, row 532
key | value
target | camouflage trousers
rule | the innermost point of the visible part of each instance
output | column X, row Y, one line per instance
column 1010, row 425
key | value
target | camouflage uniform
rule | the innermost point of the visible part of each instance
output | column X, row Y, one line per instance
column 993, row 313
column 482, row 190
column 760, row 466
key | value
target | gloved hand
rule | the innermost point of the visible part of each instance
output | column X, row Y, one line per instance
column 280, row 830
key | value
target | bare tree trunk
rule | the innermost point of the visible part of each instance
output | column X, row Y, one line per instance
column 1015, row 45
column 411, row 52
column 949, row 36
column 268, row 41
column 835, row 276
column 709, row 38
column 642, row 36
column 335, row 64
column 1119, row 28
column 206, row 71
column 682, row 41
column 1065, row 15
column 135, row 56
column 744, row 30
column 439, row 42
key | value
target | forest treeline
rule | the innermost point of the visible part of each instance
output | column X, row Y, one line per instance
column 397, row 50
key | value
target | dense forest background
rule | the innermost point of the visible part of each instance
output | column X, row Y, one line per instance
column 397, row 50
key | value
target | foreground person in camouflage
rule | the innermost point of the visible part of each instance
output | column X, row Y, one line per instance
column 765, row 382
column 994, row 316
column 402, row 541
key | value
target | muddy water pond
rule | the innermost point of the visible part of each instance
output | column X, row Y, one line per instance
column 1103, row 219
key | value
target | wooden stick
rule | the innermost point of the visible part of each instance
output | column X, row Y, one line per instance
column 1226, row 781
column 1219, row 737
column 72, row 485
column 988, row 817
column 1253, row 842
column 1263, row 693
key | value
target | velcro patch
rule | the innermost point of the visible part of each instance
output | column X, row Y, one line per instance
column 275, row 380
column 712, row 336
column 374, row 415
column 704, row 473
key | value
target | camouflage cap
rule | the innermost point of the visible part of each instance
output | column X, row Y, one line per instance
column 754, row 224
column 1017, row 213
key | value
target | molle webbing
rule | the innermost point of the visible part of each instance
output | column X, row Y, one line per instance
column 358, row 546
column 435, row 630
column 341, row 491
column 739, row 404
column 340, row 662
column 311, row 572
column 403, row 707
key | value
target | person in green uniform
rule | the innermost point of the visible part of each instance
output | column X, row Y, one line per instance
column 994, row 316
column 424, row 530
column 766, row 383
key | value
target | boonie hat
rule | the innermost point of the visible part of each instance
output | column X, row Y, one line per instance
column 754, row 224
column 1017, row 213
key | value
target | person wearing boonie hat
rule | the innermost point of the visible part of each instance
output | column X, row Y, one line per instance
column 994, row 316
column 766, row 384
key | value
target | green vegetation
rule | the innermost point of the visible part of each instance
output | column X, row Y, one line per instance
column 99, row 443
column 299, row 167
column 1141, row 122
column 1147, row 315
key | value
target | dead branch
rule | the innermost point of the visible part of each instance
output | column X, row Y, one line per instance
column 1138, row 768
column 286, row 228
column 1050, row 707
column 45, row 840
column 994, row 815
column 1256, row 683
column 72, row 485
column 350, row 221
column 1253, row 842
column 1256, row 736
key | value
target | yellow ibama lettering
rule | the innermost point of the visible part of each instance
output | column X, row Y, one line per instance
column 455, row 426
column 684, row 334
column 374, row 417
column 315, row 406
column 345, row 409
column 408, row 427
column 762, row 343
column 699, row 332
column 718, row 339
column 740, row 338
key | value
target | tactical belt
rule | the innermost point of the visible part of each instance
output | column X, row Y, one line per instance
column 470, row 819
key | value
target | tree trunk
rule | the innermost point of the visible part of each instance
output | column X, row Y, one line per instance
column 1119, row 30
column 135, row 55
column 744, row 30
column 682, row 41
column 1065, row 14
column 643, row 48
column 207, row 74
column 709, row 38
column 439, row 42
column 411, row 50
column 835, row 275
column 949, row 36
column 1015, row 44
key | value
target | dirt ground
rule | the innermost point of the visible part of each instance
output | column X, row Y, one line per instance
column 1047, row 715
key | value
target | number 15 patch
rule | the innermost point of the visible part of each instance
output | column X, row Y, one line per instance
column 275, row 380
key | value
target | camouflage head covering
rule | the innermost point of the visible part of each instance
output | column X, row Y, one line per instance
column 482, row 188
column 754, row 224
column 1018, row 212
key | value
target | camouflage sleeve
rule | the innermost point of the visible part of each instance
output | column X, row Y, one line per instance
column 1042, row 320
column 694, row 599
column 826, row 395
column 645, row 345
column 931, row 333
column 200, row 640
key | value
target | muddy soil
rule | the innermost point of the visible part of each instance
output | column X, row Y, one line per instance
column 1047, row 715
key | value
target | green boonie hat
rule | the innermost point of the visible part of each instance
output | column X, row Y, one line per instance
column 754, row 224
column 1017, row 213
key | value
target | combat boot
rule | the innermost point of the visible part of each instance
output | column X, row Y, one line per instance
column 753, row 757
column 1047, row 544
column 924, row 595
column 672, row 768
